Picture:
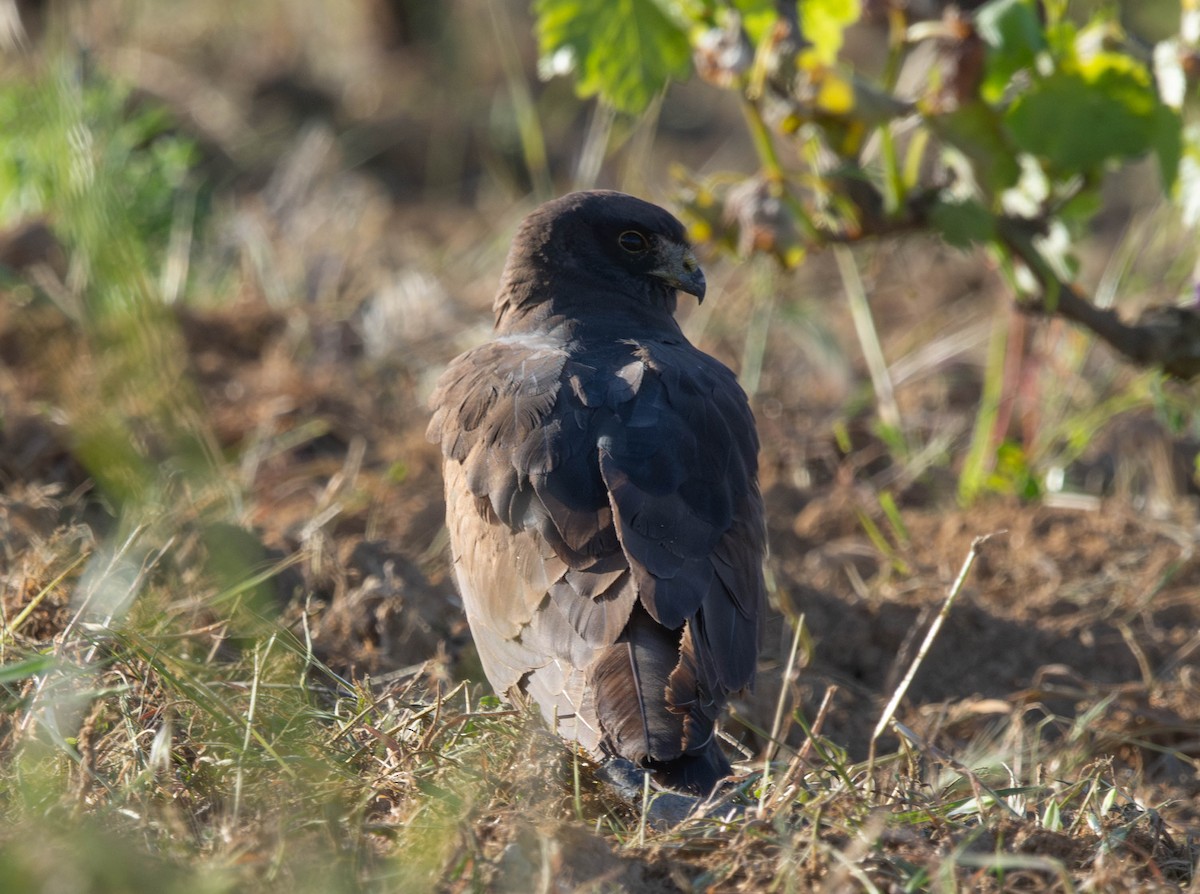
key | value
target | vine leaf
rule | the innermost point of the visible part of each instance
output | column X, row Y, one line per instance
column 1079, row 118
column 757, row 17
column 823, row 23
column 976, row 131
column 625, row 51
column 963, row 223
column 1014, row 38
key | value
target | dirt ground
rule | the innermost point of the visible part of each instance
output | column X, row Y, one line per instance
column 354, row 284
column 1077, row 612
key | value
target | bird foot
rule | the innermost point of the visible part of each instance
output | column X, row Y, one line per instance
column 664, row 808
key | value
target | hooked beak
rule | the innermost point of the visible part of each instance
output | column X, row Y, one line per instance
column 680, row 269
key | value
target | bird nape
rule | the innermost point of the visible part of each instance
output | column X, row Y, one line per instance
column 601, row 492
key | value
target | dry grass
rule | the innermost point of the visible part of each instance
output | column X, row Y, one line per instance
column 194, row 745
column 230, row 656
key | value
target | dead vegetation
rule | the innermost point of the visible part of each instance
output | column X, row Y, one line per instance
column 232, row 658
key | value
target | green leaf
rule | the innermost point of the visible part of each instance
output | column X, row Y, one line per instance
column 824, row 21
column 1077, row 120
column 975, row 130
column 1014, row 38
column 1013, row 473
column 1167, row 142
column 1052, row 817
column 29, row 667
column 963, row 224
column 1081, row 209
column 625, row 51
column 757, row 17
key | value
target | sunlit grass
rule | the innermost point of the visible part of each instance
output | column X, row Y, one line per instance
column 167, row 726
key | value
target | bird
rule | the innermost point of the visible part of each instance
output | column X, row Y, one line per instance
column 602, row 499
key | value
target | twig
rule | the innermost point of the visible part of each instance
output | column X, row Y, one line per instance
column 936, row 626
column 1167, row 336
column 11, row 629
column 801, row 760
column 777, row 723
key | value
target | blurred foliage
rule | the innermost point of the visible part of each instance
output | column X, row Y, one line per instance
column 67, row 137
column 176, row 737
column 1020, row 112
column 581, row 35
column 114, row 181
column 1003, row 143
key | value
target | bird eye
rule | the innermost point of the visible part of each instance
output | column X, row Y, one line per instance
column 633, row 241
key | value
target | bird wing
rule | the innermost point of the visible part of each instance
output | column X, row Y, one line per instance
column 679, row 459
column 585, row 489
column 545, row 586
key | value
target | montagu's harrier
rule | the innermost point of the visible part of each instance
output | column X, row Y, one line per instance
column 601, row 492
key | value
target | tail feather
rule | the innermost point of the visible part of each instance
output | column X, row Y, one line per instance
column 656, row 709
column 629, row 683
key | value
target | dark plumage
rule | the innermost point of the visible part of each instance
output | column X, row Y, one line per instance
column 601, row 492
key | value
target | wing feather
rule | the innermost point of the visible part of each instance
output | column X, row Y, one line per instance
column 607, row 534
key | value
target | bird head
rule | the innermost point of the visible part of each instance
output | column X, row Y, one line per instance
column 599, row 247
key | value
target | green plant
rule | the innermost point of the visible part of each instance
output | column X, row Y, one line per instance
column 115, row 183
column 1005, row 144
column 102, row 166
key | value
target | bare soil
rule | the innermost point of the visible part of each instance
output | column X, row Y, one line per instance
column 1086, row 613
column 343, row 291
